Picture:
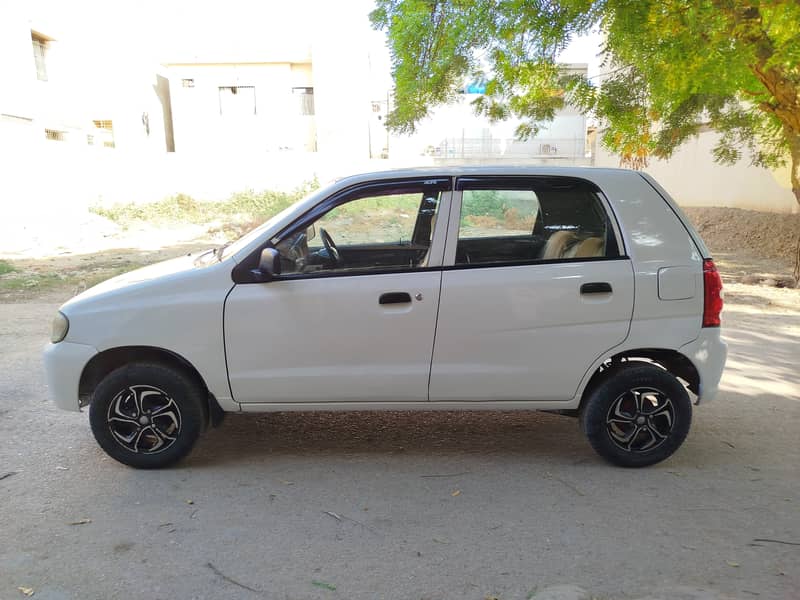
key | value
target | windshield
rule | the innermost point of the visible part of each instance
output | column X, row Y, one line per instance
column 234, row 247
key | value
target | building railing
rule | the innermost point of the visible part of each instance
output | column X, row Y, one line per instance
column 509, row 148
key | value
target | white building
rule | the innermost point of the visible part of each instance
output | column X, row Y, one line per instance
column 53, row 89
column 454, row 133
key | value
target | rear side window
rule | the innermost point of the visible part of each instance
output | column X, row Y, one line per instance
column 532, row 220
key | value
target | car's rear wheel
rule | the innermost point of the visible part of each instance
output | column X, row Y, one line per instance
column 147, row 415
column 638, row 416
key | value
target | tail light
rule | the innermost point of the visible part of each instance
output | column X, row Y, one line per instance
column 712, row 294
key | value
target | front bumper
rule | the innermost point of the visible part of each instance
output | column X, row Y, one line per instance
column 63, row 365
column 708, row 353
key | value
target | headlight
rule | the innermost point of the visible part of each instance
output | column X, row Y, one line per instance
column 60, row 328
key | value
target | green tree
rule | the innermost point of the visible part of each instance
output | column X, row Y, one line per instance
column 673, row 68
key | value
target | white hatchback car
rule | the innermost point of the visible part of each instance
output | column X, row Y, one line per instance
column 584, row 291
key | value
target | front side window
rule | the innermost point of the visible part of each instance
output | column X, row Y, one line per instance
column 522, row 221
column 385, row 230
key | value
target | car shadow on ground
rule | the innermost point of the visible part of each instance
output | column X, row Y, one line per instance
column 546, row 438
column 245, row 437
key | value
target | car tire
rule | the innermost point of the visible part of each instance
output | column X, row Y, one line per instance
column 147, row 415
column 638, row 416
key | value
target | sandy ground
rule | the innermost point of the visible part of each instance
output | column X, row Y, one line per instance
column 411, row 505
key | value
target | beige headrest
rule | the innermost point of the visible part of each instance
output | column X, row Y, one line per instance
column 592, row 246
column 557, row 243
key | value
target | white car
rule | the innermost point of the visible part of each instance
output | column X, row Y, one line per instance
column 584, row 291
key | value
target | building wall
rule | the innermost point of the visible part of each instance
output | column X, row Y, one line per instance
column 17, row 68
column 162, row 90
column 341, row 87
column 208, row 118
column 693, row 178
column 27, row 105
column 80, row 88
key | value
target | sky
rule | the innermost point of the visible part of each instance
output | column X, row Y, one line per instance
column 127, row 34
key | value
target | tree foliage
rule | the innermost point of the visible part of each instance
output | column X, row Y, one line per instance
column 672, row 68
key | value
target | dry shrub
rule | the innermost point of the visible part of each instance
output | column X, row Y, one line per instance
column 484, row 221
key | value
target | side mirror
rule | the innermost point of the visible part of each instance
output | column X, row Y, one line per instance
column 269, row 265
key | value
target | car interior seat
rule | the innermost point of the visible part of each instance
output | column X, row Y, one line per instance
column 425, row 260
column 593, row 246
column 557, row 244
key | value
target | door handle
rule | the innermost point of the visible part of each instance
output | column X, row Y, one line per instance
column 394, row 298
column 596, row 287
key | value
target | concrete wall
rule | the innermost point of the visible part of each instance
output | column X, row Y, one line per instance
column 79, row 89
column 55, row 181
column 276, row 123
column 341, row 82
column 23, row 97
column 17, row 67
column 161, row 88
column 693, row 178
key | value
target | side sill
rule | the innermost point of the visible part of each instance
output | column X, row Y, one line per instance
column 256, row 407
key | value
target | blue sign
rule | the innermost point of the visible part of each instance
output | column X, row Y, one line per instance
column 475, row 87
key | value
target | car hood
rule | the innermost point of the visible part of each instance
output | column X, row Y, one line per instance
column 134, row 280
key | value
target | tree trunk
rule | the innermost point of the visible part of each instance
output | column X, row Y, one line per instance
column 794, row 171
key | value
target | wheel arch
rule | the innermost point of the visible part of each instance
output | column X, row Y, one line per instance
column 671, row 361
column 103, row 363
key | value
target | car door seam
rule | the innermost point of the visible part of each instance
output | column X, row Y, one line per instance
column 435, row 329
column 453, row 181
column 225, row 345
column 610, row 351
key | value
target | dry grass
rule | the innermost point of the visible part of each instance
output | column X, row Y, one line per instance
column 244, row 207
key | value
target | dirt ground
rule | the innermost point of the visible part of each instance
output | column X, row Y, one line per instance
column 397, row 505
column 748, row 246
column 748, row 232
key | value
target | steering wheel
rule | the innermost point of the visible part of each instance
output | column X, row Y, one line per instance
column 330, row 248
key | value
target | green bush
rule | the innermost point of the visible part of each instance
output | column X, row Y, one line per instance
column 6, row 267
column 483, row 203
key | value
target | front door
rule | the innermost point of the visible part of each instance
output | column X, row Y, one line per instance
column 535, row 291
column 352, row 316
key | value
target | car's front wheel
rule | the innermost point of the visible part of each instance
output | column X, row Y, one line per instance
column 638, row 416
column 147, row 415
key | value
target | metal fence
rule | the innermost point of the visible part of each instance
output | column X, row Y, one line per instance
column 509, row 148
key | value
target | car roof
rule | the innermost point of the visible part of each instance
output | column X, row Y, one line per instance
column 486, row 170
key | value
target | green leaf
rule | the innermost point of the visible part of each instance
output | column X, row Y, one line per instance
column 671, row 67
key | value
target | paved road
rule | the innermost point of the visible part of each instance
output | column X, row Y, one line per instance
column 417, row 506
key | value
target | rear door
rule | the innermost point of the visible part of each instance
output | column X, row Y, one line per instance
column 536, row 286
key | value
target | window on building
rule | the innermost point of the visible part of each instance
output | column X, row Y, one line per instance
column 105, row 132
column 54, row 135
column 305, row 96
column 40, row 44
column 238, row 100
